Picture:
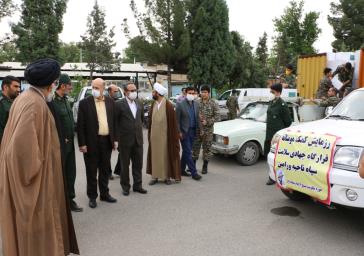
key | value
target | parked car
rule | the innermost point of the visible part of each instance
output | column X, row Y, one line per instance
column 244, row 137
column 346, row 121
column 247, row 95
column 87, row 91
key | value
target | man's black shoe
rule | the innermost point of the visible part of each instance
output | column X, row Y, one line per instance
column 92, row 203
column 168, row 182
column 270, row 182
column 108, row 199
column 204, row 167
column 125, row 192
column 196, row 177
column 153, row 182
column 186, row 174
column 74, row 207
column 140, row 190
column 111, row 177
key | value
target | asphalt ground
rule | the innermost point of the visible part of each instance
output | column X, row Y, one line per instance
column 229, row 212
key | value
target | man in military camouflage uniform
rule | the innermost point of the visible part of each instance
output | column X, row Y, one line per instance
column 209, row 114
column 288, row 80
column 232, row 105
column 10, row 90
column 345, row 74
column 331, row 101
column 325, row 84
column 64, row 112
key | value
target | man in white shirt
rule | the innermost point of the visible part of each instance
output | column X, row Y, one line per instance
column 129, row 122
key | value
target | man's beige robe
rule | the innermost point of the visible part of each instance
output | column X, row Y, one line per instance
column 33, row 206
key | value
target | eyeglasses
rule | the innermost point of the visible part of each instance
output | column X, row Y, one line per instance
column 132, row 90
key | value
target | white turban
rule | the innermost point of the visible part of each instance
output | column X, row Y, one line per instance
column 160, row 89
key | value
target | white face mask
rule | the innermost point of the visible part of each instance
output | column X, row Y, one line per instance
column 272, row 97
column 95, row 93
column 49, row 97
column 132, row 95
column 190, row 97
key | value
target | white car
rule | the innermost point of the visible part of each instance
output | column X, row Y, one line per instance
column 347, row 122
column 244, row 137
column 87, row 91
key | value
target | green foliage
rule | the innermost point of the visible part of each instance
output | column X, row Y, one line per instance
column 211, row 45
column 77, row 82
column 8, row 51
column 70, row 52
column 38, row 29
column 296, row 34
column 163, row 35
column 347, row 21
column 7, row 7
column 97, row 43
column 261, row 52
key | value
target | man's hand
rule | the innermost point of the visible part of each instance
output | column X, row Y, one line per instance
column 181, row 136
column 204, row 122
column 285, row 85
column 83, row 149
column 66, row 140
column 116, row 145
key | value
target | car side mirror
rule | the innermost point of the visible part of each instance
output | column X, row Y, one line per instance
column 329, row 110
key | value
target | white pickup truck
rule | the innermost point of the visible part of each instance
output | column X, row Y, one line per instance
column 346, row 121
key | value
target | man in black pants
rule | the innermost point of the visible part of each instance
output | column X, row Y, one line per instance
column 96, row 139
column 129, row 120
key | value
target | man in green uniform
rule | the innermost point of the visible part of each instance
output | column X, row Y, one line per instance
column 325, row 84
column 345, row 74
column 331, row 99
column 232, row 105
column 278, row 118
column 209, row 114
column 289, row 79
column 10, row 88
column 64, row 111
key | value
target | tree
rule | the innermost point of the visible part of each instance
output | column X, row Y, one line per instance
column 38, row 29
column 8, row 52
column 97, row 43
column 6, row 8
column 211, row 45
column 347, row 21
column 70, row 52
column 163, row 36
column 296, row 34
column 261, row 51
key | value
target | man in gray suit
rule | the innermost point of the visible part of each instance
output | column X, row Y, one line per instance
column 188, row 122
column 129, row 120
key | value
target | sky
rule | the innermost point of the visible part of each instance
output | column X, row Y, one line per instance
column 251, row 18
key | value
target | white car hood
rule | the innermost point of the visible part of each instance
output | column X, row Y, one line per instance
column 238, row 125
column 349, row 132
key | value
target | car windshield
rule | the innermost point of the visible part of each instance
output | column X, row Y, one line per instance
column 255, row 111
column 351, row 107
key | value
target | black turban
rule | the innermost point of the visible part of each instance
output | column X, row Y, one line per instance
column 276, row 87
column 42, row 73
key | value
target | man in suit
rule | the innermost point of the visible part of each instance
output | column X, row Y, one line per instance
column 188, row 123
column 96, row 139
column 129, row 120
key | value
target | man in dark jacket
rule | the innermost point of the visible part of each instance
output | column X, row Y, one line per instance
column 129, row 120
column 278, row 118
column 96, row 139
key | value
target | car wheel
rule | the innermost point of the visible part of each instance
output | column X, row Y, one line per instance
column 294, row 195
column 248, row 154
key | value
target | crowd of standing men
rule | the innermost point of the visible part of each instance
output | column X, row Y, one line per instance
column 37, row 152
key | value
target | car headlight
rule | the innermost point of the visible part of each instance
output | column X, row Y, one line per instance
column 347, row 158
column 274, row 142
column 222, row 139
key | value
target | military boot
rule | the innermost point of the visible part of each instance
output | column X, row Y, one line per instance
column 204, row 167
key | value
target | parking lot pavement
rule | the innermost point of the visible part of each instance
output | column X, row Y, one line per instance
column 230, row 212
